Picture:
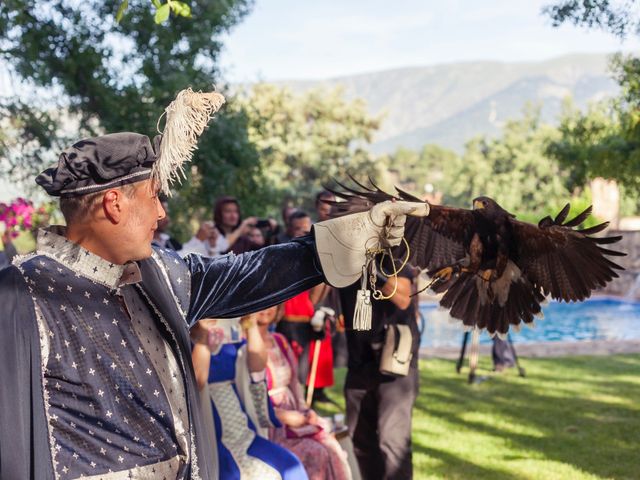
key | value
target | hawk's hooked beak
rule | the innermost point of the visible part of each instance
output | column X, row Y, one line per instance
column 477, row 204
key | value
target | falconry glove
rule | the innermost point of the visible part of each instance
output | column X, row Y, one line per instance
column 344, row 243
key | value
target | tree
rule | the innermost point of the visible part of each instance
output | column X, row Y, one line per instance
column 108, row 76
column 605, row 140
column 305, row 139
column 514, row 169
column 619, row 18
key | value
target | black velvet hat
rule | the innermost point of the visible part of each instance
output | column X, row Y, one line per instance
column 113, row 160
column 100, row 163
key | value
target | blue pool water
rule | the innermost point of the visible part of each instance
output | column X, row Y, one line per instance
column 595, row 319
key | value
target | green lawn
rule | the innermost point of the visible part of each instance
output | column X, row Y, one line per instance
column 571, row 418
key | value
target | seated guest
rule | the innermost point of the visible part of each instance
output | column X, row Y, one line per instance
column 236, row 408
column 303, row 432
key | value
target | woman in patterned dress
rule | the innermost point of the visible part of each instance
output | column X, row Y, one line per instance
column 302, row 431
column 237, row 411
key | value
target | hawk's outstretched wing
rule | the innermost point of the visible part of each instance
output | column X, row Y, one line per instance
column 564, row 261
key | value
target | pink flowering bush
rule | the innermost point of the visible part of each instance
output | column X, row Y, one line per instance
column 22, row 216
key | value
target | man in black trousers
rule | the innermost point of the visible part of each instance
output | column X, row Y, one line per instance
column 379, row 406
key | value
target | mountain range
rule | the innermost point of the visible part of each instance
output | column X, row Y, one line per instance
column 449, row 104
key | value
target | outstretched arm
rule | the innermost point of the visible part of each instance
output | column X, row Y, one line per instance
column 235, row 285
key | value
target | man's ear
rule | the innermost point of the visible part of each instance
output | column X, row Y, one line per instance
column 112, row 205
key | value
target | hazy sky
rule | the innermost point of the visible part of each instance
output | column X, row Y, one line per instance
column 301, row 39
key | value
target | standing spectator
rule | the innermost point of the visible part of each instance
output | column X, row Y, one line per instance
column 284, row 236
column 379, row 406
column 502, row 354
column 228, row 228
column 161, row 237
column 323, row 209
column 332, row 297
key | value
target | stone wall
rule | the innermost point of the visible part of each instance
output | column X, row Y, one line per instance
column 629, row 282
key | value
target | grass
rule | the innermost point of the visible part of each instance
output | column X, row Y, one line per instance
column 570, row 418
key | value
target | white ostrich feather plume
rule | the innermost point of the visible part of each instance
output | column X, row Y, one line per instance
column 187, row 117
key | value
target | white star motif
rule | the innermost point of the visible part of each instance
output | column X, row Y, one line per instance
column 117, row 399
column 109, row 441
column 58, row 386
column 162, row 414
column 106, row 335
column 179, row 280
column 98, row 356
column 87, row 294
column 136, row 439
column 105, row 301
column 63, row 308
column 58, row 356
column 153, row 420
column 74, row 365
column 54, row 417
column 74, row 327
column 92, row 371
column 65, row 469
column 152, row 445
column 38, row 271
column 120, row 459
column 131, row 364
column 113, row 366
column 156, row 393
column 80, row 307
column 115, row 322
column 82, row 349
column 66, row 343
column 69, row 288
column 109, row 414
column 140, row 351
column 96, row 314
column 100, row 393
column 93, row 464
column 126, row 449
column 148, row 371
column 130, row 395
column 91, row 432
column 103, row 451
column 50, row 288
column 73, row 425
column 51, row 334
column 75, row 456
column 123, row 343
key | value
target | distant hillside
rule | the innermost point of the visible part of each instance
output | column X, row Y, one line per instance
column 449, row 104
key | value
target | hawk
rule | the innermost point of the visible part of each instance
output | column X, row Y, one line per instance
column 493, row 270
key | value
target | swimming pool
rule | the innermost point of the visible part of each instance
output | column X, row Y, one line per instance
column 594, row 319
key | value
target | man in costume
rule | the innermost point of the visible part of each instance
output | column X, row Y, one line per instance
column 95, row 347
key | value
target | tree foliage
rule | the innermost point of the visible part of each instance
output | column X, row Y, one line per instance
column 617, row 17
column 605, row 140
column 515, row 169
column 109, row 76
column 305, row 139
